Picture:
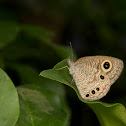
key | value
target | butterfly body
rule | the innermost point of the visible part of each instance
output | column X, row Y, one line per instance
column 94, row 75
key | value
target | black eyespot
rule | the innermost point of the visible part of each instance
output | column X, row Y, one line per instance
column 97, row 89
column 102, row 77
column 106, row 65
column 87, row 95
column 93, row 92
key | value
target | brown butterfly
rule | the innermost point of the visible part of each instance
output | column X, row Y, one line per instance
column 94, row 75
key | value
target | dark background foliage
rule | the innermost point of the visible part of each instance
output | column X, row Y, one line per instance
column 94, row 27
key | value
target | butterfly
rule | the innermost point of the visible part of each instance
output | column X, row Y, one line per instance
column 94, row 75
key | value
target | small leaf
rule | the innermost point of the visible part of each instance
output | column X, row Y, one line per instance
column 108, row 114
column 9, row 106
column 55, row 74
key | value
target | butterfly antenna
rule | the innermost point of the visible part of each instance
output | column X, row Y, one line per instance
column 70, row 57
column 71, row 52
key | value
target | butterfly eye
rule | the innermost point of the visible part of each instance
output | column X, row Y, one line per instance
column 106, row 65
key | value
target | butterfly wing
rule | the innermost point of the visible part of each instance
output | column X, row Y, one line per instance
column 92, row 81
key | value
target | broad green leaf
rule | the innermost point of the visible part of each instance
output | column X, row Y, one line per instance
column 34, row 42
column 108, row 114
column 8, row 32
column 35, row 85
column 44, row 35
column 42, row 106
column 9, row 104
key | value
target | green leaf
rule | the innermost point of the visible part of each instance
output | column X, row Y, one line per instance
column 45, row 35
column 8, row 32
column 108, row 114
column 43, row 106
column 111, row 114
column 37, row 32
column 9, row 106
column 36, row 86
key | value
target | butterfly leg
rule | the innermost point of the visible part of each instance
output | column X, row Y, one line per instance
column 63, row 68
column 72, row 82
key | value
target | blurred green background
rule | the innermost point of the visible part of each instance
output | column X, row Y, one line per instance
column 93, row 27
